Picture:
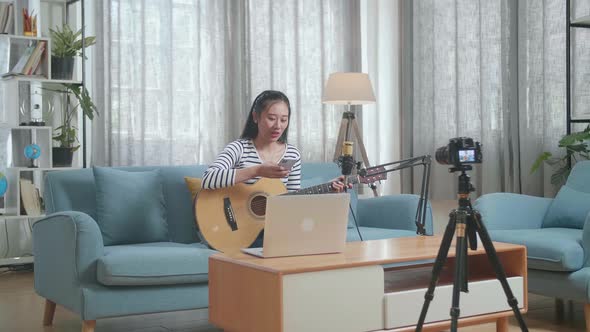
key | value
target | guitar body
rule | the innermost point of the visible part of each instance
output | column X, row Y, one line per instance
column 232, row 218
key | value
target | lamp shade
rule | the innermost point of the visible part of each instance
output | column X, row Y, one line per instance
column 348, row 88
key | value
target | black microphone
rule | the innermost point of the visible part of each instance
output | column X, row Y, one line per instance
column 346, row 160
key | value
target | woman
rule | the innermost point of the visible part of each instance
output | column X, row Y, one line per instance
column 260, row 148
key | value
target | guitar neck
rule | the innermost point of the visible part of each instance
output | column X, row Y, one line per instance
column 324, row 188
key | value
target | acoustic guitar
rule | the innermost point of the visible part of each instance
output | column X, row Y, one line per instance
column 232, row 218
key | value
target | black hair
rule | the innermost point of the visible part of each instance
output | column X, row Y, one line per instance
column 260, row 103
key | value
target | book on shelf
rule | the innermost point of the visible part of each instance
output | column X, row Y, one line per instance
column 29, row 60
column 35, row 58
column 30, row 198
column 6, row 17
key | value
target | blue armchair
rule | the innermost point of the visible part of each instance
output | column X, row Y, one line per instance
column 96, row 271
column 555, row 231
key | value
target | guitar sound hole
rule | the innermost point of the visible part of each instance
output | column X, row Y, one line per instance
column 258, row 206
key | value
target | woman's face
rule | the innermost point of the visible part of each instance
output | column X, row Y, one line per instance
column 273, row 121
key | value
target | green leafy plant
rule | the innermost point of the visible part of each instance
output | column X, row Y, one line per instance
column 576, row 147
column 65, row 134
column 67, row 43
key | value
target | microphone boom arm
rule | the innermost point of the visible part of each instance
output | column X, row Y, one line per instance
column 425, row 161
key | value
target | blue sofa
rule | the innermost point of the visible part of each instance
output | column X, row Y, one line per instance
column 78, row 267
column 555, row 231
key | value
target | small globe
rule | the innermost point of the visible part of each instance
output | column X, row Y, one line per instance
column 3, row 184
column 32, row 151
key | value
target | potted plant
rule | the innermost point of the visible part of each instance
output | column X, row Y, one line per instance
column 66, row 134
column 576, row 148
column 66, row 44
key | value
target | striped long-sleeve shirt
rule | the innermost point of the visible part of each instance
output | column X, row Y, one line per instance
column 241, row 154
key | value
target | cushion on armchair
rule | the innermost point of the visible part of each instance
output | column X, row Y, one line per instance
column 569, row 209
column 552, row 249
column 130, row 206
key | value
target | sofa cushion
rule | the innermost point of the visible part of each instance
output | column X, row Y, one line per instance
column 193, row 185
column 552, row 249
column 158, row 263
column 569, row 209
column 130, row 206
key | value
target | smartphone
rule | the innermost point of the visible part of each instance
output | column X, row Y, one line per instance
column 287, row 163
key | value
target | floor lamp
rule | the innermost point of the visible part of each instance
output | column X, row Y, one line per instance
column 349, row 89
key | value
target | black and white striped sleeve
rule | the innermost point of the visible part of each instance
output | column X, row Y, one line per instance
column 294, row 180
column 221, row 173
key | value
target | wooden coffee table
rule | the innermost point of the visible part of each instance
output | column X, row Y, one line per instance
column 372, row 286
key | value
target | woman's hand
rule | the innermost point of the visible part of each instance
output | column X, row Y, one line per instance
column 338, row 184
column 271, row 170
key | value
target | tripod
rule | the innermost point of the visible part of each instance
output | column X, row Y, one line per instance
column 348, row 120
column 467, row 222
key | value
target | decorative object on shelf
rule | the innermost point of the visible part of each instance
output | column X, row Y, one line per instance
column 30, row 198
column 66, row 133
column 66, row 45
column 32, row 152
column 29, row 23
column 25, row 114
column 36, row 116
column 3, row 184
column 576, row 147
column 42, row 110
column 3, row 188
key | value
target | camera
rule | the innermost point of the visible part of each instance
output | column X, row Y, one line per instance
column 459, row 151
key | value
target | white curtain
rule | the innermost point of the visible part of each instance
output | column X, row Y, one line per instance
column 380, row 31
column 493, row 70
column 179, row 76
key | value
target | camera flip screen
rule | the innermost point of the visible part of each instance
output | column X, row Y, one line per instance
column 466, row 156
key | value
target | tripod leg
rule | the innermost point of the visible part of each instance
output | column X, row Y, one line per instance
column 441, row 258
column 359, row 139
column 460, row 263
column 500, row 274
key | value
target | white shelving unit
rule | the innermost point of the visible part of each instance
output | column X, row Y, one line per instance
column 582, row 22
column 15, row 240
column 18, row 96
column 13, row 201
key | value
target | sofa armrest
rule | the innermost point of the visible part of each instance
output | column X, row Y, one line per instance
column 586, row 241
column 512, row 211
column 392, row 212
column 66, row 246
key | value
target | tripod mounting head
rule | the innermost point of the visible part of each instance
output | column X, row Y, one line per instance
column 460, row 168
column 465, row 186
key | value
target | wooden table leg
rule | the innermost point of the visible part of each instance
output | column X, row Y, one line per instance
column 587, row 316
column 48, row 313
column 502, row 324
column 88, row 325
column 559, row 309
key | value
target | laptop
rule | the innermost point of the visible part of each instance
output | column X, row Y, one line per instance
column 304, row 225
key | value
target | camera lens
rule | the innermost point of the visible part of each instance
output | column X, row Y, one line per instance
column 442, row 155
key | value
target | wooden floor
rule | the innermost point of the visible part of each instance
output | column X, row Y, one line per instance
column 22, row 310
